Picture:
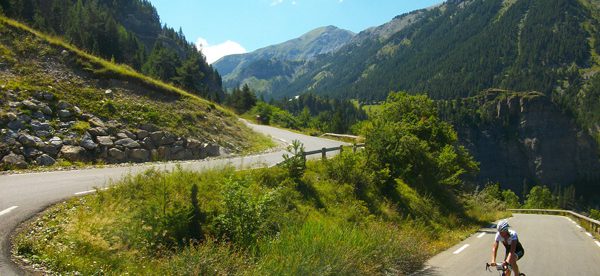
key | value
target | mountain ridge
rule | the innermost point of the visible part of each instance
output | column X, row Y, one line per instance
column 282, row 60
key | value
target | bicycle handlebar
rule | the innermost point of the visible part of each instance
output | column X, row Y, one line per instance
column 499, row 266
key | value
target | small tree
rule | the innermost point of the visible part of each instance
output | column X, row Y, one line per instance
column 295, row 164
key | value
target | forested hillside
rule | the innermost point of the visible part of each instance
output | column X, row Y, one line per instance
column 462, row 47
column 128, row 32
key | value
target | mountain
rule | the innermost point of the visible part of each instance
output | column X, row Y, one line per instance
column 126, row 31
column 270, row 67
column 462, row 47
column 58, row 102
column 523, row 139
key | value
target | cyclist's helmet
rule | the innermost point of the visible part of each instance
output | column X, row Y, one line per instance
column 502, row 226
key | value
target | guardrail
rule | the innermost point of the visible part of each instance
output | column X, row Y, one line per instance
column 324, row 151
column 590, row 224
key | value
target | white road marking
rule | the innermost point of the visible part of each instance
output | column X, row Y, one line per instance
column 85, row 192
column 460, row 249
column 8, row 210
column 588, row 233
column 598, row 243
column 481, row 235
column 579, row 227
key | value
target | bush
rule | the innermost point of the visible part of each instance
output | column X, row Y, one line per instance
column 246, row 217
column 540, row 197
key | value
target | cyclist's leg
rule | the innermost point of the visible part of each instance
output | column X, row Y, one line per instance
column 513, row 263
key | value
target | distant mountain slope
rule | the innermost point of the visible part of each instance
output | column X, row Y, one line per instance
column 278, row 63
column 465, row 46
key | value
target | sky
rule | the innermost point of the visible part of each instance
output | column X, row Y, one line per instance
column 224, row 27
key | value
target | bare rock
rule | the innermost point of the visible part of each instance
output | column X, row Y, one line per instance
column 45, row 160
column 116, row 154
column 128, row 143
column 139, row 155
column 14, row 160
column 105, row 141
column 72, row 153
column 64, row 114
column 97, row 122
column 98, row 131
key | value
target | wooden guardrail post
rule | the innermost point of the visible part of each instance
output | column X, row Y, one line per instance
column 341, row 148
column 324, row 153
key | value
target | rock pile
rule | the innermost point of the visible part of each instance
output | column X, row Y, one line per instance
column 42, row 129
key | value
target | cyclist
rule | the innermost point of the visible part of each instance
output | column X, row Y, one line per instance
column 510, row 240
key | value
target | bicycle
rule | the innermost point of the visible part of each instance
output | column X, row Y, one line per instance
column 501, row 268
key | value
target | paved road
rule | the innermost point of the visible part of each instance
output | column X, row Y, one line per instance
column 554, row 245
column 24, row 195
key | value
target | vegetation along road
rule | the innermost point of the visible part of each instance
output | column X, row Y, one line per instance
column 24, row 195
column 554, row 245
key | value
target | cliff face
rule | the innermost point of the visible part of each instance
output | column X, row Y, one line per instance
column 524, row 139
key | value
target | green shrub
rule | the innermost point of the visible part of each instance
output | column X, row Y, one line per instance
column 245, row 217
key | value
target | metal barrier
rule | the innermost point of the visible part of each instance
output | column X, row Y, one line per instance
column 324, row 151
column 589, row 223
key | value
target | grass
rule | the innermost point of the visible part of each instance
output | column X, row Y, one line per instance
column 257, row 222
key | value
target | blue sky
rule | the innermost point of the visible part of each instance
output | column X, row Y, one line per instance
column 236, row 26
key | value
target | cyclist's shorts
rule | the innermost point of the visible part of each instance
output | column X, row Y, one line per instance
column 520, row 253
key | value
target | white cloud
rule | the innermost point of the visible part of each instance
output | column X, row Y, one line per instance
column 215, row 52
column 276, row 2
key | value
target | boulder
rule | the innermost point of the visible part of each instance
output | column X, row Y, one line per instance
column 211, row 149
column 11, row 116
column 45, row 160
column 64, row 105
column 37, row 125
column 139, row 155
column 122, row 135
column 24, row 118
column 31, row 153
column 116, row 154
column 161, row 138
column 96, row 122
column 64, row 114
column 29, row 140
column 130, row 134
column 88, row 144
column 46, row 110
column 104, row 141
column 98, row 131
column 141, row 134
column 72, row 153
column 30, row 105
column 48, row 96
column 14, row 160
column 163, row 153
column 16, row 125
column 128, row 143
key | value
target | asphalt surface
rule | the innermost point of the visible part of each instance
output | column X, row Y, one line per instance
column 554, row 245
column 22, row 196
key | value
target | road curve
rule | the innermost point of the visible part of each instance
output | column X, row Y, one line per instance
column 24, row 195
column 554, row 245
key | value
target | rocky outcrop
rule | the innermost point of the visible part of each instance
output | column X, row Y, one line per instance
column 41, row 129
column 525, row 140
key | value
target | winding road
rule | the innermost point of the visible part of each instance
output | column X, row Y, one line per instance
column 22, row 196
column 554, row 245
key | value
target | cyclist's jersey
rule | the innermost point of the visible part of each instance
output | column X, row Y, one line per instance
column 512, row 237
